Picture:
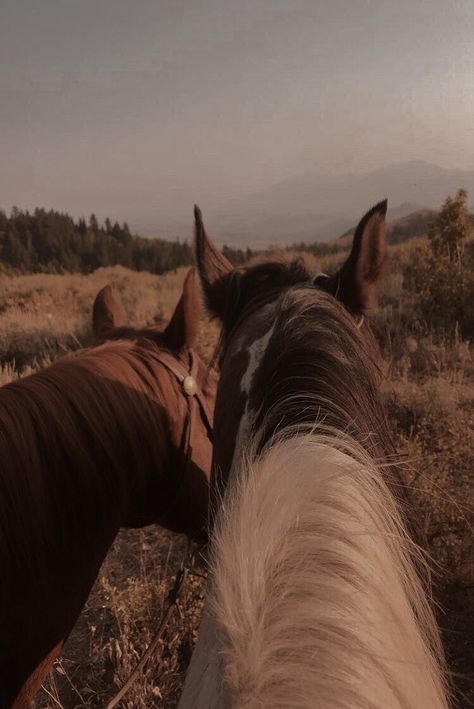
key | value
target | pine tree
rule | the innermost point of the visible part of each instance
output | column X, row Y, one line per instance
column 52, row 241
column 93, row 224
column 82, row 226
column 3, row 221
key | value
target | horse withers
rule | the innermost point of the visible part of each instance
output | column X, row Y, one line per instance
column 318, row 594
column 115, row 435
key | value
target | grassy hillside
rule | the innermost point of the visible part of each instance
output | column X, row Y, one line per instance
column 429, row 388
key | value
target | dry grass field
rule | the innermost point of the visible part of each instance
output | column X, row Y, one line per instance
column 429, row 389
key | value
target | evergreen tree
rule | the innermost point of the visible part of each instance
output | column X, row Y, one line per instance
column 116, row 230
column 14, row 251
column 82, row 226
column 3, row 222
column 52, row 241
column 93, row 224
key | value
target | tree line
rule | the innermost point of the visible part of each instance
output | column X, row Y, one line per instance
column 51, row 241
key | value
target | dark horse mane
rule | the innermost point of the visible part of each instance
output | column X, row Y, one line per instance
column 318, row 350
column 68, row 415
column 320, row 370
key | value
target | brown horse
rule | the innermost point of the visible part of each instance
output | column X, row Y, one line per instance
column 115, row 435
column 317, row 595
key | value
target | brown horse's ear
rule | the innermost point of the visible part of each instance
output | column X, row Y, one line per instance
column 355, row 284
column 181, row 330
column 214, row 268
column 107, row 314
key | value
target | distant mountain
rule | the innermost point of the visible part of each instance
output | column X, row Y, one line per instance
column 318, row 207
column 402, row 210
column 415, row 224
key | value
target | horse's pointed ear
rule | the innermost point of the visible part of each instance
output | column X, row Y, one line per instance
column 356, row 282
column 181, row 330
column 214, row 268
column 107, row 313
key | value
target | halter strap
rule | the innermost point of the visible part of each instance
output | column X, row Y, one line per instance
column 186, row 378
column 188, row 383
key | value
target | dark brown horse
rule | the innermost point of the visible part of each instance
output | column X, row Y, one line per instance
column 316, row 597
column 115, row 435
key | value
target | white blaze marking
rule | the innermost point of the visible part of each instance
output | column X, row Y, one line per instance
column 256, row 352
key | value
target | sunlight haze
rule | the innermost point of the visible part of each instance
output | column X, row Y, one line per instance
column 138, row 110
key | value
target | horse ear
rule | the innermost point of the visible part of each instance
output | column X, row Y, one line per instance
column 107, row 314
column 355, row 284
column 181, row 330
column 214, row 268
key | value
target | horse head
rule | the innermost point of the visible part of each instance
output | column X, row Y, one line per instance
column 174, row 347
column 244, row 301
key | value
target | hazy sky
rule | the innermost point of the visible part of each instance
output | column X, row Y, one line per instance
column 145, row 106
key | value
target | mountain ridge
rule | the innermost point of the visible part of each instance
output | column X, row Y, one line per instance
column 317, row 207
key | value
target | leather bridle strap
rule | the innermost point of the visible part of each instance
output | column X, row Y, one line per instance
column 195, row 398
column 188, row 383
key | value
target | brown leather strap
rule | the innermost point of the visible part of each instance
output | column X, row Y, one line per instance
column 180, row 373
column 178, row 370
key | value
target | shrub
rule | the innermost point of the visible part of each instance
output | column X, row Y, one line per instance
column 442, row 271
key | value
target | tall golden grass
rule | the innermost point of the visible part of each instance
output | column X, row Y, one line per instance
column 430, row 399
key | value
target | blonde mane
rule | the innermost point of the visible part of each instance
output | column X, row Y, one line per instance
column 315, row 592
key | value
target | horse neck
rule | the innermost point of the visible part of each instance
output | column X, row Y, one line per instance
column 322, row 369
column 319, row 369
column 314, row 598
column 84, row 447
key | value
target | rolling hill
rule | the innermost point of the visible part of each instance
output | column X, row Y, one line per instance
column 399, row 230
column 319, row 207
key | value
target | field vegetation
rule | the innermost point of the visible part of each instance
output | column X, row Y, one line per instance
column 425, row 324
